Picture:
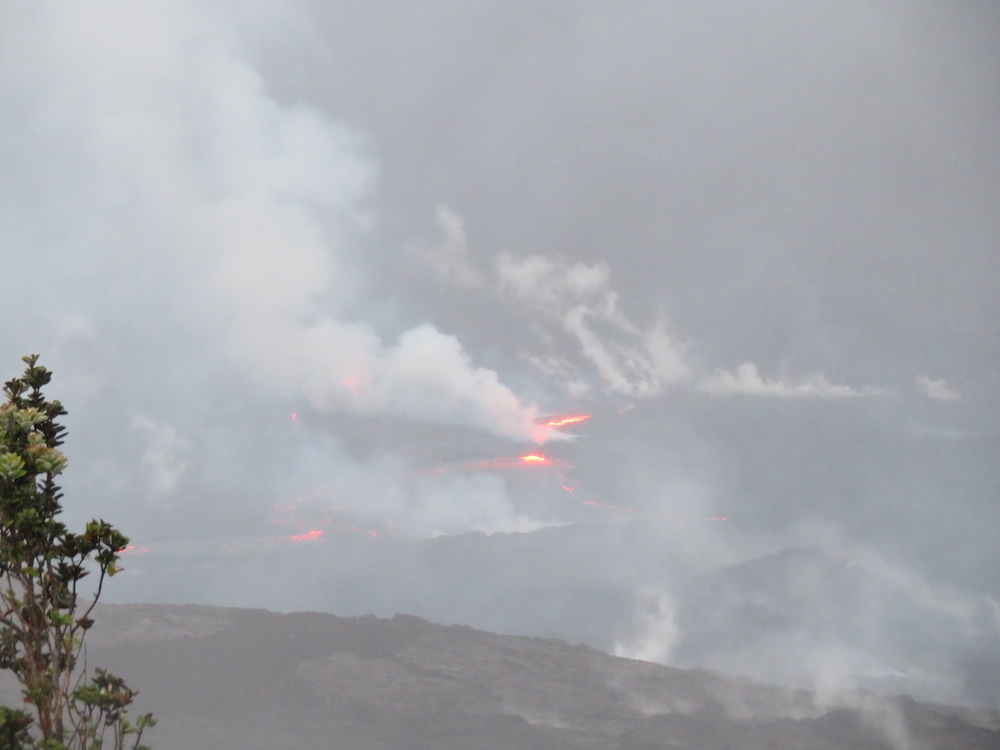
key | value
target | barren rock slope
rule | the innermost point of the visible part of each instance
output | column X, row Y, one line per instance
column 225, row 678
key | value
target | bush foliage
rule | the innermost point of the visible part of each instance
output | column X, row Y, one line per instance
column 44, row 617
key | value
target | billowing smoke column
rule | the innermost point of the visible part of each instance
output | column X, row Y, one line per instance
column 228, row 218
column 425, row 376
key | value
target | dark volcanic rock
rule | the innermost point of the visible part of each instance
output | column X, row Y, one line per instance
column 223, row 678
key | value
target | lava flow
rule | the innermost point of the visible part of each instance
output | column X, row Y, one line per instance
column 511, row 462
column 538, row 462
column 313, row 515
column 534, row 458
column 306, row 537
column 544, row 430
column 566, row 420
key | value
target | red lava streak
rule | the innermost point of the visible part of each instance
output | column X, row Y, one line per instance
column 514, row 462
column 308, row 536
column 532, row 462
column 315, row 514
column 566, row 420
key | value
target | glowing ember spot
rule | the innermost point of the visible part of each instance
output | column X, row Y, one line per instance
column 131, row 549
column 295, row 417
column 534, row 458
column 566, row 420
column 308, row 536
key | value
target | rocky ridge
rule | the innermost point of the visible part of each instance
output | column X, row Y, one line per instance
column 228, row 678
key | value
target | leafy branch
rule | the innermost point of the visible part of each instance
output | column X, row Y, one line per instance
column 43, row 618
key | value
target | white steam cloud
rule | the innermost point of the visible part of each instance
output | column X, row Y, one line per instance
column 937, row 390
column 579, row 298
column 164, row 458
column 748, row 381
column 627, row 359
column 450, row 258
column 657, row 632
column 216, row 214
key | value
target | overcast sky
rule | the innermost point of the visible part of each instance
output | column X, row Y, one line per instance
column 757, row 242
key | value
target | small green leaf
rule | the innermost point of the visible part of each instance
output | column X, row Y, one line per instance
column 11, row 466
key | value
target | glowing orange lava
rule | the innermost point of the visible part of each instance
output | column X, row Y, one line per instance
column 566, row 421
column 308, row 536
column 315, row 514
column 508, row 462
column 562, row 470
